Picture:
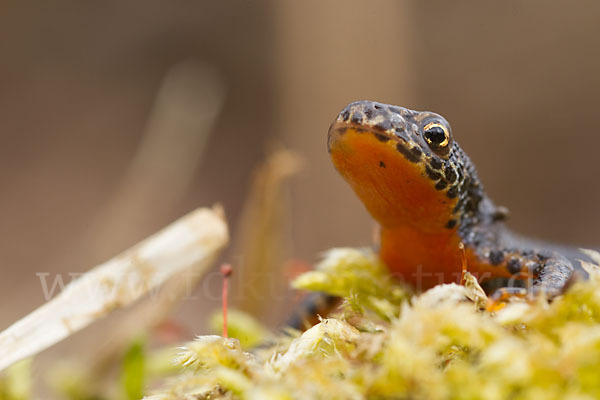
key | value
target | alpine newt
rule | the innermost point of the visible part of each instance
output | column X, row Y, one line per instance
column 423, row 190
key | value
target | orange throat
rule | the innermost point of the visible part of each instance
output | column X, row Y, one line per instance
column 421, row 259
column 416, row 243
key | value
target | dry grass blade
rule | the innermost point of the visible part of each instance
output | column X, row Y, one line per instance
column 264, row 232
column 194, row 240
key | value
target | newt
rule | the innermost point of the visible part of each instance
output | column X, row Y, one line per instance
column 423, row 191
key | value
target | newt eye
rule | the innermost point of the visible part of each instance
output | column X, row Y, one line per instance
column 438, row 137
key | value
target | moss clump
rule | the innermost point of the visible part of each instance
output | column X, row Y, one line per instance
column 241, row 326
column 16, row 382
column 441, row 344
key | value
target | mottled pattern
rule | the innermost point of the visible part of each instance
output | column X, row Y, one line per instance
column 477, row 220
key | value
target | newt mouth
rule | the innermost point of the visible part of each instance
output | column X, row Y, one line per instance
column 389, row 136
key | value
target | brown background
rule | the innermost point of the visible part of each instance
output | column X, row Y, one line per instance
column 80, row 86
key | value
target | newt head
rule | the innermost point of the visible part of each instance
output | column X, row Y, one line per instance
column 420, row 186
column 403, row 164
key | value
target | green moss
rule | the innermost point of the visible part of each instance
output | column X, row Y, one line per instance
column 16, row 381
column 441, row 344
column 133, row 374
column 241, row 326
column 360, row 278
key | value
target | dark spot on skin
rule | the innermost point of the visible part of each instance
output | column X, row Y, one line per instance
column 496, row 257
column 377, row 106
column 458, row 206
column 469, row 206
column 416, row 151
column 381, row 164
column 433, row 175
column 441, row 185
column 451, row 224
column 357, row 118
column 399, row 131
column 369, row 113
column 513, row 266
column 435, row 163
column 542, row 257
column 345, row 115
column 450, row 174
column 461, row 177
column 381, row 138
column 410, row 156
column 384, row 125
column 452, row 192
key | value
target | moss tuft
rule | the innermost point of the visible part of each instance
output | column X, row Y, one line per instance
column 441, row 344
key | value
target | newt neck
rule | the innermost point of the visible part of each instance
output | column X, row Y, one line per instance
column 421, row 258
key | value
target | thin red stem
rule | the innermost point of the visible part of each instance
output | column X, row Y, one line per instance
column 226, row 271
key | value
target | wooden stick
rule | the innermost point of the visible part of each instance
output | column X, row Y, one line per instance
column 192, row 241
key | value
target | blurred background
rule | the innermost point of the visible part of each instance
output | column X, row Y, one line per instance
column 118, row 117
